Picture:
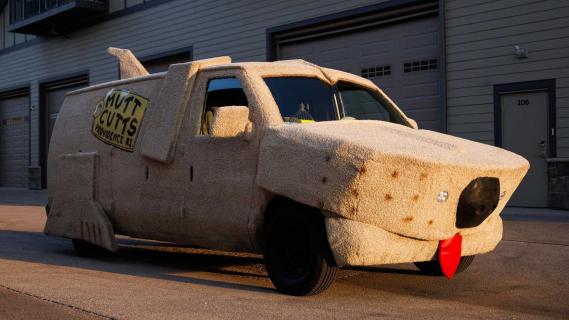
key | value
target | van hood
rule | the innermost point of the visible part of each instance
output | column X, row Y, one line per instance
column 393, row 140
column 384, row 174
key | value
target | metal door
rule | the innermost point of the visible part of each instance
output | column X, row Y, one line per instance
column 14, row 140
column 54, row 97
column 525, row 132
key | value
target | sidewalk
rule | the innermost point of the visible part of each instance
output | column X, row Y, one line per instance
column 535, row 214
column 20, row 196
column 525, row 277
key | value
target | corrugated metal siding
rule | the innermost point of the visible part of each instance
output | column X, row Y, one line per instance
column 116, row 5
column 213, row 28
column 34, row 123
column 14, row 137
column 2, row 30
column 8, row 39
column 480, row 40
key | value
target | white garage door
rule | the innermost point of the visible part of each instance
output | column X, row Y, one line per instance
column 54, row 97
column 14, row 140
column 402, row 59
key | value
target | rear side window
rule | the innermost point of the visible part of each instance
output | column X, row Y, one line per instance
column 221, row 92
column 225, row 92
column 301, row 98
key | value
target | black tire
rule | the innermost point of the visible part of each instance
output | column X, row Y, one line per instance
column 87, row 249
column 297, row 255
column 433, row 268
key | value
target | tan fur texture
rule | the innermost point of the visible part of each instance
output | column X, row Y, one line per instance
column 230, row 121
column 159, row 139
column 360, row 244
column 76, row 212
column 382, row 174
column 377, row 182
column 129, row 65
column 119, row 174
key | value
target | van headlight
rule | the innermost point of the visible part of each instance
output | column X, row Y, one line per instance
column 442, row 197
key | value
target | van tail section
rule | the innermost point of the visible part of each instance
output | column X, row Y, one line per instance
column 76, row 212
column 129, row 65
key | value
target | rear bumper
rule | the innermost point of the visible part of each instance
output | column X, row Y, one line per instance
column 358, row 244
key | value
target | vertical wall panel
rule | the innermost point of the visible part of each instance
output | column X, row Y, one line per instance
column 480, row 40
column 130, row 3
column 116, row 5
column 2, row 30
column 34, row 123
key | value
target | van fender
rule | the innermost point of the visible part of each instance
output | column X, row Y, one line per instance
column 75, row 212
column 319, row 173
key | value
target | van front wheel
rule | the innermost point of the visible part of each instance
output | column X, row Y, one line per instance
column 297, row 255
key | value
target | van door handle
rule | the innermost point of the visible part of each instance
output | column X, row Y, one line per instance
column 542, row 149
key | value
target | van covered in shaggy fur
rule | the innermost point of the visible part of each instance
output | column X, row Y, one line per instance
column 388, row 192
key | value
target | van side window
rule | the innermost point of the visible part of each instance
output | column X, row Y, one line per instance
column 221, row 92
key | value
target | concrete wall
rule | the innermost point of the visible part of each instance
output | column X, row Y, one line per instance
column 480, row 40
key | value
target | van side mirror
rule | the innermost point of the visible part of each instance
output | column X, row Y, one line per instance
column 231, row 122
column 413, row 123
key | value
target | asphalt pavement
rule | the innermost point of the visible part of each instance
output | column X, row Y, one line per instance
column 526, row 277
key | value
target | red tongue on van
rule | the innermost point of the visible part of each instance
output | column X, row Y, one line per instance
column 449, row 255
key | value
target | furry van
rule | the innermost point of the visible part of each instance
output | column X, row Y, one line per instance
column 233, row 175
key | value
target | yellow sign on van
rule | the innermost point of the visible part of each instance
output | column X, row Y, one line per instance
column 118, row 118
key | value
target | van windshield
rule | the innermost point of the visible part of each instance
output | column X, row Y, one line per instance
column 303, row 99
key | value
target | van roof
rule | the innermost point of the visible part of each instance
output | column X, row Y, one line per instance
column 295, row 67
column 272, row 64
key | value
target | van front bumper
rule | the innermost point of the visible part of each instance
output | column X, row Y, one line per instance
column 358, row 244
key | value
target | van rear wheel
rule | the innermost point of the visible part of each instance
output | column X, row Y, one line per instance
column 297, row 255
column 86, row 249
column 433, row 268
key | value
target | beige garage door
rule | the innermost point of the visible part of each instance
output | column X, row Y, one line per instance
column 402, row 58
column 524, row 131
column 14, row 140
column 54, row 97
